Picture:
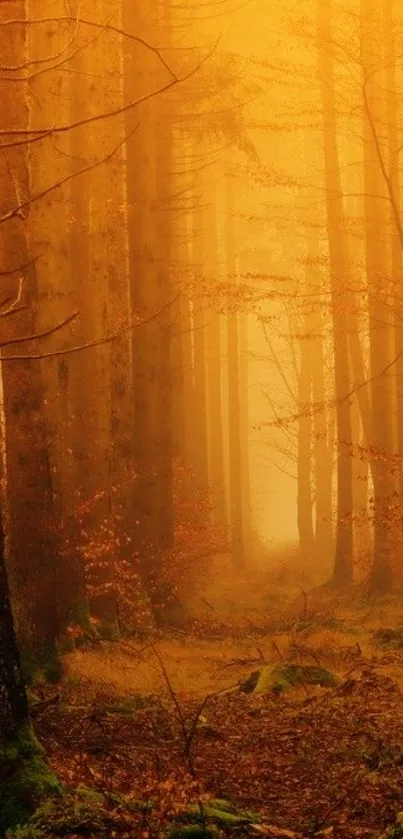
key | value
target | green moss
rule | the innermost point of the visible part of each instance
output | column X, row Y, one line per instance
column 193, row 831
column 395, row 831
column 80, row 618
column 84, row 809
column 280, row 677
column 27, row 831
column 80, row 615
column 53, row 666
column 108, row 631
column 389, row 638
column 129, row 705
column 29, row 667
column 66, row 644
column 80, row 812
column 25, row 778
column 225, row 813
column 136, row 805
column 215, row 813
column 42, row 664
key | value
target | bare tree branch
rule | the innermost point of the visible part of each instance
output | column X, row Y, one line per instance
column 37, row 335
column 95, row 343
column 62, row 129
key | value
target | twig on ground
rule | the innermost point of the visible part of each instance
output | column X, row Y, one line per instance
column 277, row 650
column 242, row 661
column 213, row 609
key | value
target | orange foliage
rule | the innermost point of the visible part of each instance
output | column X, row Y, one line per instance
column 111, row 559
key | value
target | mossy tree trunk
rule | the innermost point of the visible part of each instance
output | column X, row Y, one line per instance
column 13, row 700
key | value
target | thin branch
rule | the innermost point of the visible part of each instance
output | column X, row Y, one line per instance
column 13, row 301
column 62, row 129
column 105, row 27
column 96, row 343
column 33, row 198
column 37, row 335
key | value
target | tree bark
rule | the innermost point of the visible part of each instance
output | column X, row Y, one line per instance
column 234, row 408
column 339, row 272
column 378, row 309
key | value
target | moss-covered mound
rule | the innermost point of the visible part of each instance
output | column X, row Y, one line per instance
column 388, row 638
column 395, row 831
column 84, row 812
column 80, row 812
column 25, row 779
column 198, row 822
column 277, row 678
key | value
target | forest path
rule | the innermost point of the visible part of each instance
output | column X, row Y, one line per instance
column 194, row 667
column 223, row 652
column 133, row 719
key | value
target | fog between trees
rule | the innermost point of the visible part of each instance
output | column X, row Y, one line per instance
column 201, row 345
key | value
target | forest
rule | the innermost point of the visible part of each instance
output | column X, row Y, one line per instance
column 201, row 419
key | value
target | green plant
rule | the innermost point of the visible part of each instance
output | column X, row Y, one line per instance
column 25, row 778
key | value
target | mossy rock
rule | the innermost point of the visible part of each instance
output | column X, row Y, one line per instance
column 128, row 705
column 25, row 779
column 226, row 814
column 395, row 831
column 389, row 638
column 277, row 678
column 82, row 811
column 216, row 813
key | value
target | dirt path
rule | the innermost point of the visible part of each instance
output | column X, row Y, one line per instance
column 194, row 667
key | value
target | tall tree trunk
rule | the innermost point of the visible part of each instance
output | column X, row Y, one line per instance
column 13, row 700
column 32, row 543
column 314, row 347
column 214, row 359
column 234, row 409
column 376, row 269
column 304, row 465
column 394, row 143
column 245, row 430
column 339, row 272
column 110, row 234
column 150, row 295
column 199, row 320
column 362, row 530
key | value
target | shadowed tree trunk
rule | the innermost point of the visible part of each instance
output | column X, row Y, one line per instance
column 13, row 700
column 32, row 539
column 149, row 161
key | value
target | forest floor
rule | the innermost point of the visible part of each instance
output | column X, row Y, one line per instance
column 159, row 728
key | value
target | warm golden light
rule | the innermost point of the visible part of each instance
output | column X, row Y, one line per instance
column 201, row 417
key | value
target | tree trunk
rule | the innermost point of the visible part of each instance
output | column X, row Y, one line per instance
column 339, row 272
column 214, row 359
column 32, row 539
column 199, row 319
column 304, row 458
column 13, row 700
column 234, row 408
column 148, row 160
column 314, row 347
column 394, row 143
column 379, row 313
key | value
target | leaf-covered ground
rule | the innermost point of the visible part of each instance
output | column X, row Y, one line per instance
column 156, row 728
